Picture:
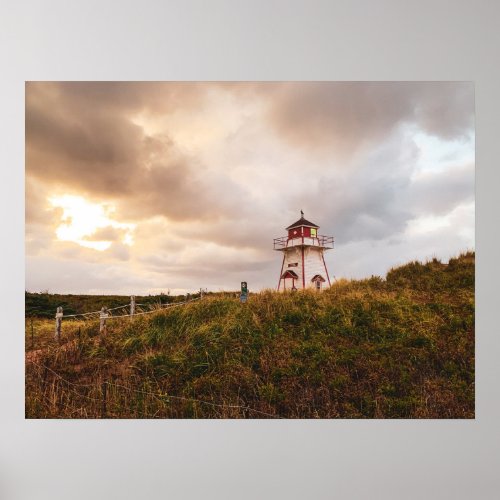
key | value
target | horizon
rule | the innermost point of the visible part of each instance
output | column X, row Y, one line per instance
column 237, row 289
column 138, row 188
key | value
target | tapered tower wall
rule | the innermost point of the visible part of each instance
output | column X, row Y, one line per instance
column 293, row 262
column 313, row 265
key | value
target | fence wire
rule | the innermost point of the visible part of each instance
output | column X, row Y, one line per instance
column 164, row 397
column 153, row 308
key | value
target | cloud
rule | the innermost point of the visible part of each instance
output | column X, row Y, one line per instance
column 82, row 136
column 439, row 193
column 107, row 233
column 347, row 116
column 210, row 173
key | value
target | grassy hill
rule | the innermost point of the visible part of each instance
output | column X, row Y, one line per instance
column 402, row 347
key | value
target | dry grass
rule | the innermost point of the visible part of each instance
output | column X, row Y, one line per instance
column 396, row 348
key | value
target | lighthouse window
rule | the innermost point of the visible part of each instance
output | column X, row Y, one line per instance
column 313, row 232
column 293, row 264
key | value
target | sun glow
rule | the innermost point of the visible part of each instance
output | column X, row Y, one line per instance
column 90, row 224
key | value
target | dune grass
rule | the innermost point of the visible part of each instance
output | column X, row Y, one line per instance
column 400, row 347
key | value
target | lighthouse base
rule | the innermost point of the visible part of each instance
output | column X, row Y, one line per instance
column 303, row 267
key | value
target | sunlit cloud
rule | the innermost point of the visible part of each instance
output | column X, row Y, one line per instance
column 81, row 220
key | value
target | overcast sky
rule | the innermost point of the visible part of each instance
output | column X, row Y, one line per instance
column 149, row 187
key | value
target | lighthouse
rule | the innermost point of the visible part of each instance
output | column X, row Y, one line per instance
column 303, row 250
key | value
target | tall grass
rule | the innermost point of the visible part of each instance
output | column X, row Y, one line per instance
column 396, row 348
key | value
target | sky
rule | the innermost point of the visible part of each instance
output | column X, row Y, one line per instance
column 149, row 187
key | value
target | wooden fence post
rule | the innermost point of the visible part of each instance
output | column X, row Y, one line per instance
column 103, row 316
column 104, row 387
column 132, row 305
column 59, row 317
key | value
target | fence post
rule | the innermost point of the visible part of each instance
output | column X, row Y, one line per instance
column 201, row 293
column 104, row 387
column 59, row 317
column 102, row 316
column 188, row 296
column 132, row 305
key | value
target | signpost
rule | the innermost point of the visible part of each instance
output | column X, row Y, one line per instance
column 244, row 292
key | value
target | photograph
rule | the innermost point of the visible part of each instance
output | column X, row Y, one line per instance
column 249, row 250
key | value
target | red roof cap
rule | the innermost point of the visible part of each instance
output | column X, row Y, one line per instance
column 302, row 222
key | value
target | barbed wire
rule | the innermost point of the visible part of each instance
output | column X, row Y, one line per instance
column 156, row 395
column 156, row 307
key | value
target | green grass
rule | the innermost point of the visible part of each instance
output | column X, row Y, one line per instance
column 396, row 348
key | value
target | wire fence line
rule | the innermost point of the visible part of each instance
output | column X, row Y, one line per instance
column 164, row 397
column 106, row 314
column 166, row 306
column 155, row 307
column 95, row 312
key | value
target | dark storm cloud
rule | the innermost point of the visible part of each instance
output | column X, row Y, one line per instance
column 345, row 116
column 87, row 145
column 80, row 135
column 117, row 98
column 181, row 192
column 126, row 97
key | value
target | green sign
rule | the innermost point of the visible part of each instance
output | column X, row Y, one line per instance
column 244, row 292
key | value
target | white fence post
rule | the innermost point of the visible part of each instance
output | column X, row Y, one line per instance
column 132, row 305
column 59, row 317
column 201, row 293
column 102, row 316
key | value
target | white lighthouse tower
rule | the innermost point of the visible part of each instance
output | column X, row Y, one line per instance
column 303, row 260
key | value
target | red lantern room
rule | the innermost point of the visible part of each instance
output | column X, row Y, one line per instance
column 302, row 228
column 303, row 263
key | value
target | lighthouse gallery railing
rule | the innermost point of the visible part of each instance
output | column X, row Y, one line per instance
column 319, row 241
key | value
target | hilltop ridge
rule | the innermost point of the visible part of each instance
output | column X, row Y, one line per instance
column 400, row 347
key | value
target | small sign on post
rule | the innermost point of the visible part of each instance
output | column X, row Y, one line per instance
column 103, row 316
column 244, row 292
column 59, row 317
